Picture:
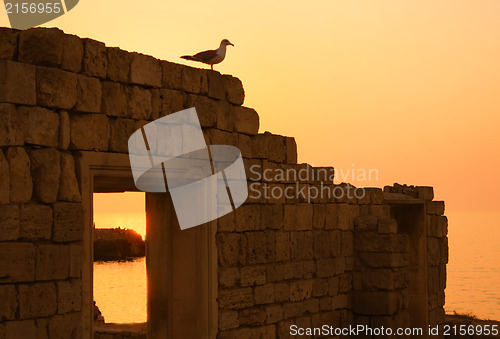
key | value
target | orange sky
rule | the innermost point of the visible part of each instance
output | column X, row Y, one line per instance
column 410, row 88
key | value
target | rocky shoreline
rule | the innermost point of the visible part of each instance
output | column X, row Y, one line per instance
column 117, row 244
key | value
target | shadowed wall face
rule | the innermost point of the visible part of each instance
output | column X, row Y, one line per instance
column 68, row 107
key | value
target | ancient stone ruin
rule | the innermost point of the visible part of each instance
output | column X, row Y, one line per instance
column 67, row 108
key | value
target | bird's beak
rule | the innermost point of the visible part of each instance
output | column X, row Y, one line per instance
column 231, row 44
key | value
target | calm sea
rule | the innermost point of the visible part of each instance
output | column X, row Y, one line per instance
column 473, row 271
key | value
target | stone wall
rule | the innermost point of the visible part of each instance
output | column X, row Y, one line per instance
column 303, row 259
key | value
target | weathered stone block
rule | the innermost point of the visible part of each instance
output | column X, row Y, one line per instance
column 171, row 75
column 425, row 192
column 55, row 88
column 66, row 326
column 232, row 248
column 235, row 298
column 261, row 247
column 228, row 320
column 248, row 218
column 171, row 101
column 69, row 296
column 4, row 180
column 274, row 313
column 304, row 216
column 331, row 216
column 435, row 207
column 41, row 46
column 290, row 217
column 229, row 276
column 260, row 144
column 301, row 246
column 42, row 325
column 218, row 137
column 9, row 222
column 18, row 262
column 95, row 60
column 52, row 262
column 251, row 316
column 121, row 130
column 346, row 215
column 68, row 185
column 246, row 120
column 379, row 260
column 253, row 275
column 245, row 145
column 282, row 246
column 45, row 171
column 64, row 131
column 300, row 290
column 373, row 242
column 387, row 225
column 36, row 222
column 11, row 133
column 291, row 150
column 21, row 186
column 235, row 93
column 139, row 102
column 118, row 64
column 145, row 70
column 8, row 306
column 72, row 55
column 216, row 85
column 38, row 300
column 76, row 260
column 8, row 42
column 206, row 109
column 366, row 223
column 375, row 303
column 225, row 116
column 40, row 125
column 20, row 329
column 68, row 222
column 322, row 244
column 114, row 99
column 17, row 83
column 89, row 132
column 264, row 294
column 88, row 94
column 191, row 79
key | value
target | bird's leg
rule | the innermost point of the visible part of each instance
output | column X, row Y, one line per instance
column 212, row 66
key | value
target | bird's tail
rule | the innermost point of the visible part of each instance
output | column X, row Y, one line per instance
column 187, row 57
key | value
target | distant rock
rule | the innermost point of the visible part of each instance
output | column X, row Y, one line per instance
column 117, row 244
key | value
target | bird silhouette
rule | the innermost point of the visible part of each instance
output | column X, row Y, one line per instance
column 210, row 57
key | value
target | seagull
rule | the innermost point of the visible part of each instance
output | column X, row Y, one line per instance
column 210, row 57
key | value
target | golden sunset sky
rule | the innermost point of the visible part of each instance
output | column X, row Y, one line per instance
column 410, row 88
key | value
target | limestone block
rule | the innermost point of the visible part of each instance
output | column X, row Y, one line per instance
column 373, row 242
column 387, row 225
column 171, row 75
column 225, row 116
column 251, row 316
column 20, row 329
column 228, row 320
column 114, row 99
column 253, row 275
column 41, row 328
column 191, row 79
column 118, row 64
column 18, row 262
column 346, row 215
column 319, row 216
column 17, row 83
column 425, row 192
column 300, row 290
column 21, row 186
column 248, row 218
column 121, row 130
column 347, row 246
column 437, row 226
column 56, row 88
column 8, row 42
column 52, row 262
column 68, row 185
column 235, row 298
column 331, row 217
column 366, row 223
column 72, row 55
column 245, row 145
column 291, row 150
column 88, row 94
column 322, row 244
column 45, row 171
column 376, row 195
column 36, row 222
column 8, row 306
column 139, row 102
column 272, row 216
column 276, row 148
column 206, row 109
column 304, row 216
column 274, row 313
column 76, row 260
column 226, row 223
column 232, row 248
column 216, row 85
column 38, row 300
column 171, row 101
column 443, row 245
column 301, row 246
column 69, row 296
column 4, row 180
column 253, row 169
column 282, row 246
column 433, row 251
column 229, row 276
column 259, row 145
column 155, row 104
column 89, row 132
column 66, row 326
column 95, row 59
column 40, row 125
column 246, row 120
column 41, row 46
column 218, row 137
column 375, row 303
column 235, row 93
column 9, row 222
column 64, row 132
column 145, row 70
column 290, row 217
column 378, row 260
column 11, row 133
column 68, row 222
column 261, row 247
